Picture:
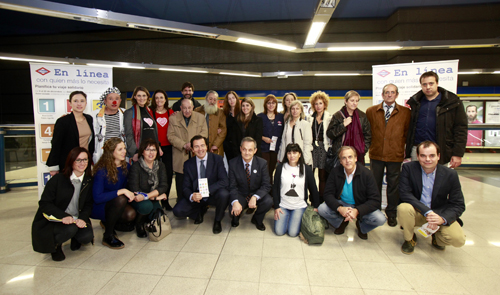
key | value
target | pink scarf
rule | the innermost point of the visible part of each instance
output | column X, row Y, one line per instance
column 354, row 134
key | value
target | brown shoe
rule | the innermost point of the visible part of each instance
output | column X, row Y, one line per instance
column 341, row 229
column 435, row 244
column 409, row 246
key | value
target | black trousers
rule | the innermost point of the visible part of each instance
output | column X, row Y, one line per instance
column 64, row 232
column 392, row 179
column 167, row 161
column 179, row 180
column 263, row 205
column 219, row 199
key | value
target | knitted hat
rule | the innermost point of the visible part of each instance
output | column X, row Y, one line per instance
column 108, row 91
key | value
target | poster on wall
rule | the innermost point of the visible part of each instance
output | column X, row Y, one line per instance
column 51, row 85
column 474, row 111
column 492, row 137
column 406, row 77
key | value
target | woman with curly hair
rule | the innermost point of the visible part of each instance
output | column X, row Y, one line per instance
column 111, row 198
column 231, row 109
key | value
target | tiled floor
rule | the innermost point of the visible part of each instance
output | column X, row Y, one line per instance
column 244, row 260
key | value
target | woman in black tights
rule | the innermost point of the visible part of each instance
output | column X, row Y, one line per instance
column 111, row 198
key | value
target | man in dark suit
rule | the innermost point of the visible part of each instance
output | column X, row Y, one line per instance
column 430, row 193
column 207, row 166
column 249, row 184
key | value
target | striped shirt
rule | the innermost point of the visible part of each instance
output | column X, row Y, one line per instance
column 112, row 126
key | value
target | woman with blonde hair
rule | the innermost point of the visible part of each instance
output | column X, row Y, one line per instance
column 231, row 109
column 139, row 122
column 350, row 127
column 249, row 125
column 297, row 130
column 111, row 198
column 319, row 121
column 286, row 101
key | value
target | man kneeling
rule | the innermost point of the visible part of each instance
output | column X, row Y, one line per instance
column 205, row 168
column 430, row 193
column 351, row 193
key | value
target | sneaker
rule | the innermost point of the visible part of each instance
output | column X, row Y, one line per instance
column 112, row 242
column 435, row 245
column 409, row 246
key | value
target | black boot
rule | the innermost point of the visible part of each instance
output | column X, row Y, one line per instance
column 166, row 205
column 58, row 255
column 139, row 226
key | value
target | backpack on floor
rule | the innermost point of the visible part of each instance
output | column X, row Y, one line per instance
column 312, row 230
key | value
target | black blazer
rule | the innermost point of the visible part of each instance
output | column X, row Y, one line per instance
column 447, row 198
column 255, row 129
column 366, row 194
column 65, row 138
column 54, row 200
column 310, row 185
column 215, row 172
column 138, row 179
column 260, row 183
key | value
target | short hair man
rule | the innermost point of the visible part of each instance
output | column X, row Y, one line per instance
column 207, row 166
column 216, row 122
column 437, row 115
column 430, row 193
column 108, row 121
column 187, row 91
column 389, row 123
column 249, row 184
column 182, row 127
column 351, row 193
column 474, row 137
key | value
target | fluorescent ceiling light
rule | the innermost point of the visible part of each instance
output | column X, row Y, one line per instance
column 238, row 74
column 181, row 70
column 471, row 46
column 468, row 73
column 337, row 74
column 314, row 33
column 171, row 29
column 100, row 65
column 34, row 60
column 116, row 66
column 364, row 48
column 496, row 72
column 265, row 44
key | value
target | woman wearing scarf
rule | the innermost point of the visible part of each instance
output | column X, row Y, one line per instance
column 350, row 127
column 147, row 178
column 139, row 122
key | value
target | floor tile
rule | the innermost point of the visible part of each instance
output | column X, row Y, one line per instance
column 127, row 283
column 220, row 287
column 9, row 272
column 35, row 280
column 329, row 250
column 284, row 271
column 236, row 245
column 149, row 262
column 25, row 256
column 285, row 247
column 477, row 280
column 387, row 292
column 281, row 289
column 419, row 256
column 379, row 275
column 489, row 256
column 73, row 258
column 172, row 242
column 193, row 265
column 430, row 278
column 361, row 251
column 81, row 280
column 108, row 259
column 204, row 244
column 180, row 286
column 238, row 268
column 331, row 273
column 321, row 290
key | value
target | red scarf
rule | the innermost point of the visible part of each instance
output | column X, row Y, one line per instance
column 354, row 134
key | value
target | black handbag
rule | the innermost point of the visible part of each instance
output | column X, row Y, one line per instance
column 332, row 160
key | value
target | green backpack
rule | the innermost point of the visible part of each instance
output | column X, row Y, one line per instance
column 312, row 229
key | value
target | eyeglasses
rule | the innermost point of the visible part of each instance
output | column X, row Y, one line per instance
column 150, row 150
column 82, row 161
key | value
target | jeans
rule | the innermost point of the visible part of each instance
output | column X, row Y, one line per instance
column 367, row 223
column 289, row 222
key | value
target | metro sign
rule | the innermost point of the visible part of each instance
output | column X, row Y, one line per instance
column 42, row 71
column 383, row 73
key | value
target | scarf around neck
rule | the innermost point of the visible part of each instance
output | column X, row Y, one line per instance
column 354, row 135
column 152, row 172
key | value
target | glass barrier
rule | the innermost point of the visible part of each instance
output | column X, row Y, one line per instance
column 20, row 158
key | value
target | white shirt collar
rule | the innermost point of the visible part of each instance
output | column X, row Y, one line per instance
column 204, row 158
column 245, row 163
column 73, row 176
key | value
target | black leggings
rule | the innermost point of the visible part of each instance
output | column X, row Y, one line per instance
column 117, row 210
column 64, row 232
column 323, row 177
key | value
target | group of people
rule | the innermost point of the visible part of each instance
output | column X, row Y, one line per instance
column 232, row 158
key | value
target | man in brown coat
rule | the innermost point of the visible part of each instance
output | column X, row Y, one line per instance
column 182, row 127
column 389, row 123
column 216, row 120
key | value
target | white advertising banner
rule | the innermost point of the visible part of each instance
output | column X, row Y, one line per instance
column 51, row 85
column 406, row 77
